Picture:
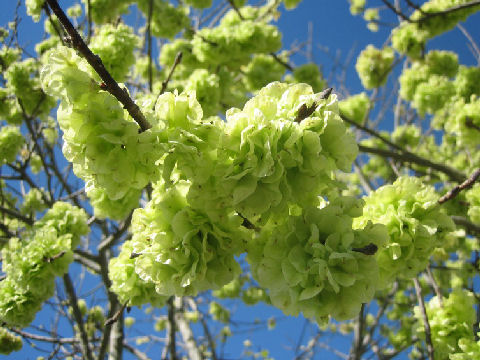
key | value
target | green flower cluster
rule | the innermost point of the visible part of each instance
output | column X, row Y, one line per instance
column 357, row 6
column 207, row 90
column 127, row 284
column 234, row 40
column 255, row 163
column 34, row 8
column 31, row 265
column 11, row 140
column 407, row 136
column 468, row 349
column 218, row 312
column 101, row 141
column 411, row 36
column 449, row 322
column 374, row 65
column 309, row 74
column 33, row 202
column 104, row 207
column 103, row 11
column 179, row 249
column 291, row 4
column 316, row 264
column 25, row 86
column 275, row 152
column 9, row 342
column 66, row 219
column 415, row 222
column 473, row 198
column 167, row 20
column 467, row 82
column 355, row 107
column 115, row 45
column 427, row 82
column 262, row 70
column 464, row 121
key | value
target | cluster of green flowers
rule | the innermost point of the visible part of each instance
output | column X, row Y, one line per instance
column 11, row 141
column 373, row 66
column 427, row 82
column 473, row 197
column 464, row 121
column 33, row 201
column 9, row 342
column 411, row 36
column 355, row 107
column 115, row 45
column 234, row 40
column 274, row 157
column 167, row 20
column 357, row 6
column 127, row 284
column 262, row 70
column 468, row 349
column 438, row 85
column 250, row 295
column 34, row 8
column 450, row 322
column 180, row 250
column 309, row 74
column 103, row 11
column 100, row 139
column 416, row 226
column 23, row 93
column 31, row 264
column 316, row 264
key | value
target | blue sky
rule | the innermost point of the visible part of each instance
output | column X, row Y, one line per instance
column 335, row 34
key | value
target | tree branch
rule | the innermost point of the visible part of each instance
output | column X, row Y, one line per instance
column 471, row 228
column 408, row 157
column 86, row 351
column 426, row 324
column 193, row 351
column 96, row 63
column 456, row 190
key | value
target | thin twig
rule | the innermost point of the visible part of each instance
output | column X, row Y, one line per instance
column 140, row 355
column 89, row 20
column 426, row 324
column 281, row 62
column 408, row 157
column 435, row 286
column 149, row 45
column 172, row 346
column 357, row 346
column 456, row 190
column 16, row 215
column 49, row 339
column 114, row 318
column 178, row 60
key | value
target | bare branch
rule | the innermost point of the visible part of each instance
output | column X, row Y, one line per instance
column 408, row 157
column 456, row 190
column 86, row 351
column 96, row 63
column 426, row 324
